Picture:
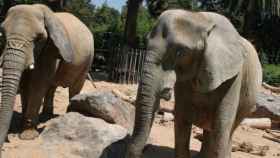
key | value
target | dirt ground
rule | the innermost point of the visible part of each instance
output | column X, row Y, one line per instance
column 161, row 142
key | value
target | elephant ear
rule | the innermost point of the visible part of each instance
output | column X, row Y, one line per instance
column 222, row 59
column 58, row 34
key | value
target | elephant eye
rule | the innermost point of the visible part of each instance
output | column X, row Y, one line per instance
column 183, row 51
column 39, row 37
column 180, row 53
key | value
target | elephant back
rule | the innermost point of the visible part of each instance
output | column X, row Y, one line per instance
column 80, row 36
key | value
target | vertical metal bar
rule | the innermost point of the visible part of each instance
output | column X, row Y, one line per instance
column 130, row 67
column 134, row 65
column 125, row 66
column 138, row 64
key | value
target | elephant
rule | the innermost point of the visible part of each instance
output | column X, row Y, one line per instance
column 43, row 50
column 218, row 74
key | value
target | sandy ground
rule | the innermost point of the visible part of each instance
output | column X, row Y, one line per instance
column 161, row 143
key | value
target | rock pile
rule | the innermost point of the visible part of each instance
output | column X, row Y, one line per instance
column 104, row 105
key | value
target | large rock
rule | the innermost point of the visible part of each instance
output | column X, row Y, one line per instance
column 84, row 137
column 73, row 136
column 105, row 105
column 268, row 106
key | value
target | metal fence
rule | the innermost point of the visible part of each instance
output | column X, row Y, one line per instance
column 126, row 65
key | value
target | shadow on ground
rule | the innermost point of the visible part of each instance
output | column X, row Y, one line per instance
column 118, row 150
column 16, row 123
column 100, row 76
column 153, row 151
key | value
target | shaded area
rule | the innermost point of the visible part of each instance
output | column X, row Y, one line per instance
column 16, row 123
column 158, row 151
column 267, row 107
column 118, row 150
column 154, row 151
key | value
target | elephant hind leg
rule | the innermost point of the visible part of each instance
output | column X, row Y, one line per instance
column 77, row 86
column 48, row 107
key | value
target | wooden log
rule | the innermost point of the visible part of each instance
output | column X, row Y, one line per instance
column 271, row 88
column 259, row 123
column 271, row 138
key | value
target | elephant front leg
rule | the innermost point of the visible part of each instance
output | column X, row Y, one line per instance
column 30, row 120
column 220, row 140
column 182, row 138
column 31, row 115
column 183, row 125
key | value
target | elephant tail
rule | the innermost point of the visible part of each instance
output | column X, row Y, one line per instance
column 91, row 80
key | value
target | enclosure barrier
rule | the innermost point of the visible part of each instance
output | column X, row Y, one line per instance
column 126, row 65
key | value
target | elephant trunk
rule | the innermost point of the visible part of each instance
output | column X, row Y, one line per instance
column 13, row 66
column 146, row 103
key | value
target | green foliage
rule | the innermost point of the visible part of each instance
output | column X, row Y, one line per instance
column 144, row 25
column 99, row 20
column 106, row 20
column 83, row 9
column 156, row 7
column 263, row 57
column 145, row 22
column 271, row 74
column 256, row 20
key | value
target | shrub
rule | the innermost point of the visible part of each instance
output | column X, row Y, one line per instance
column 271, row 74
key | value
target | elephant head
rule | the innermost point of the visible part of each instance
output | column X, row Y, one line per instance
column 202, row 48
column 27, row 29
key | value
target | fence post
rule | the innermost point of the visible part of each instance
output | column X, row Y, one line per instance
column 126, row 65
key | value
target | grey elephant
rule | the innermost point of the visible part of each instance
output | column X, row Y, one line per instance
column 43, row 50
column 217, row 76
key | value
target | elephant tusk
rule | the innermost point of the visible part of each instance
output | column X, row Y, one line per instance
column 31, row 67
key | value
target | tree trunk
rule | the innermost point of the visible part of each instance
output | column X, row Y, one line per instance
column 130, row 37
column 56, row 5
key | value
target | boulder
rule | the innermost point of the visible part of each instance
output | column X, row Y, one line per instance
column 104, row 105
column 84, row 137
column 73, row 135
column 268, row 106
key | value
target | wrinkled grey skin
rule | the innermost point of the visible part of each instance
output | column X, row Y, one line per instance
column 217, row 76
column 43, row 50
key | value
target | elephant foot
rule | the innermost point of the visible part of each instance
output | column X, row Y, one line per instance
column 29, row 134
column 130, row 155
column 47, row 114
column 199, row 155
column 133, row 154
column 47, row 111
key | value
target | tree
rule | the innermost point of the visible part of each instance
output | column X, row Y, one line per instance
column 83, row 9
column 6, row 5
column 56, row 5
column 106, row 20
column 257, row 20
column 131, row 22
column 156, row 7
column 145, row 23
